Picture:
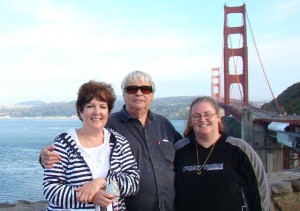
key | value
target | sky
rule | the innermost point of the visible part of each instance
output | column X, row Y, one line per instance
column 49, row 48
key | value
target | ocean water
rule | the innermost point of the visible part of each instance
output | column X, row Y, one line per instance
column 21, row 141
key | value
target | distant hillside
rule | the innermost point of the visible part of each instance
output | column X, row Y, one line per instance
column 32, row 103
column 288, row 101
column 170, row 107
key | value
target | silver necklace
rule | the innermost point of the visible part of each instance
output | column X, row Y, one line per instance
column 199, row 170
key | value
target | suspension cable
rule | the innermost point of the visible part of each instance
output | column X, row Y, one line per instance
column 277, row 106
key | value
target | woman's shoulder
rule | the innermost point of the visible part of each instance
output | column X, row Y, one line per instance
column 237, row 142
column 116, row 135
column 65, row 139
column 241, row 144
column 181, row 143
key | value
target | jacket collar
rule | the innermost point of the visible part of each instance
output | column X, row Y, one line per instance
column 125, row 116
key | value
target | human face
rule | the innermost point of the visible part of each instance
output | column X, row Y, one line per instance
column 204, row 120
column 94, row 114
column 137, row 102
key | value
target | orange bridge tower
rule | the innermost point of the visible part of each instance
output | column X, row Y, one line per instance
column 215, row 84
column 232, row 76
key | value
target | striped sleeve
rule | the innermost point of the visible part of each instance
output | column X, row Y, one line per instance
column 124, row 167
column 61, row 180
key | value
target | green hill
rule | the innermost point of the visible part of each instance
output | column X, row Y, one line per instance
column 288, row 101
column 170, row 107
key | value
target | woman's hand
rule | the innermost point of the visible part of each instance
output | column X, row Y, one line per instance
column 103, row 199
column 86, row 192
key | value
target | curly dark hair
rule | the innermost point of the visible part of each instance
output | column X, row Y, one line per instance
column 94, row 89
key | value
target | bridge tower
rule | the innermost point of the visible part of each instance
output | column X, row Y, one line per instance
column 232, row 77
column 215, row 84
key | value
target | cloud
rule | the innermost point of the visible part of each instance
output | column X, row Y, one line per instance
column 51, row 48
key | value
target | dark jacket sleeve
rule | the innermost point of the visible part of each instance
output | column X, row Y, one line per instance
column 256, row 188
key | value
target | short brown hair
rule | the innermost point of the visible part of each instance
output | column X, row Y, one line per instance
column 94, row 89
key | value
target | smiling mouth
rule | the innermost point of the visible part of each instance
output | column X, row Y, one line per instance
column 202, row 126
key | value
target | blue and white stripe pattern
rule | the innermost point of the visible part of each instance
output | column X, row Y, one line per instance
column 72, row 171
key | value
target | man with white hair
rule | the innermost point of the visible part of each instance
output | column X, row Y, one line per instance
column 151, row 138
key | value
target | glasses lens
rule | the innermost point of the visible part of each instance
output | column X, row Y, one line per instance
column 134, row 89
column 206, row 115
column 146, row 89
column 131, row 89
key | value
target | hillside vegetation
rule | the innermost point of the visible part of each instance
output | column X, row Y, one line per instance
column 170, row 107
column 288, row 101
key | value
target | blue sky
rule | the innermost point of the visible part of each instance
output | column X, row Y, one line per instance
column 49, row 48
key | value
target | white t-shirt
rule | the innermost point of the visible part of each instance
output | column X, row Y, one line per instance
column 97, row 158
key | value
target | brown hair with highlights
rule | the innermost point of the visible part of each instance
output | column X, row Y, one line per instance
column 94, row 89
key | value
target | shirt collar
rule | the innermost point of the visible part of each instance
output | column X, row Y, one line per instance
column 125, row 116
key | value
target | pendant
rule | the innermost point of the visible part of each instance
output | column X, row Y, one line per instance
column 199, row 172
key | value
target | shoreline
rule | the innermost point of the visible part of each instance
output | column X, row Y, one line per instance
column 24, row 205
column 40, row 117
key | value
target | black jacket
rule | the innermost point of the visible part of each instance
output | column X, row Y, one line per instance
column 232, row 179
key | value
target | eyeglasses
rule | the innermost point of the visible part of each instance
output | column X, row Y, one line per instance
column 207, row 115
column 134, row 89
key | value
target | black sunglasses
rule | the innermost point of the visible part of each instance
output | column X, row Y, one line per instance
column 134, row 89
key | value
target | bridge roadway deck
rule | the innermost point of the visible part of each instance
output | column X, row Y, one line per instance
column 236, row 110
column 269, row 132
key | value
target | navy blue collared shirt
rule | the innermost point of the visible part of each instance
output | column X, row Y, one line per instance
column 154, row 152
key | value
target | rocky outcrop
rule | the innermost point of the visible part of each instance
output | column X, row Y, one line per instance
column 285, row 190
column 24, row 205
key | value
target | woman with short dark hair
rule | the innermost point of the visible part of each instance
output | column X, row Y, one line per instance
column 91, row 157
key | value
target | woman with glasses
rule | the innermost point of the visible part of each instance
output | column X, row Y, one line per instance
column 215, row 171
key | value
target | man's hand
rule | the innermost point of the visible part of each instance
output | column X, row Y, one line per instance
column 48, row 157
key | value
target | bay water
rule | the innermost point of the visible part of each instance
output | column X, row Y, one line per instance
column 21, row 141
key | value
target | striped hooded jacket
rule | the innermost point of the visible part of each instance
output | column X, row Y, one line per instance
column 72, row 171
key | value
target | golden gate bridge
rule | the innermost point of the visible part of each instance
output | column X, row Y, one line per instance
column 274, row 136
